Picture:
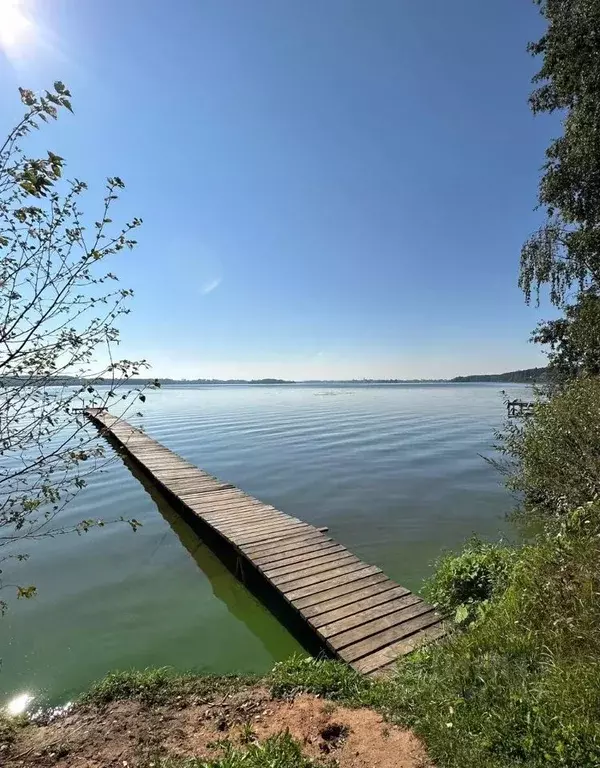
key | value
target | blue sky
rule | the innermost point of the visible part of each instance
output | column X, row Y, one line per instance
column 329, row 188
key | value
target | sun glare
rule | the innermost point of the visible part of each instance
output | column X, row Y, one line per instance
column 19, row 704
column 15, row 26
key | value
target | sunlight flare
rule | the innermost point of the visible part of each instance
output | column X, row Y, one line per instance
column 19, row 704
column 15, row 26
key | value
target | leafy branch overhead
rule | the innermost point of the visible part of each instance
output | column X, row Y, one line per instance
column 60, row 304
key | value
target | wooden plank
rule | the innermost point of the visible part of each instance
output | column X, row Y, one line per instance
column 325, row 586
column 360, row 617
column 388, row 636
column 318, row 578
column 256, row 525
column 239, row 537
column 284, row 558
column 291, row 545
column 373, row 627
column 276, row 538
column 207, row 512
column 345, row 592
column 229, row 508
column 238, row 512
column 339, row 608
column 183, row 477
column 216, row 497
column 196, row 488
column 143, row 447
column 186, row 476
column 249, row 514
column 310, row 568
column 233, row 509
column 144, row 444
column 192, row 483
column 391, row 653
column 317, row 572
column 210, row 511
column 186, row 485
column 168, row 463
column 307, row 561
column 257, row 522
column 161, row 464
column 275, row 534
column 214, row 506
column 244, row 516
column 183, row 473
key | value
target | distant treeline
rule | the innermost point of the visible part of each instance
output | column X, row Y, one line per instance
column 526, row 376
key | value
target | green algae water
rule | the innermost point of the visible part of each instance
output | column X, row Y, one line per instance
column 394, row 471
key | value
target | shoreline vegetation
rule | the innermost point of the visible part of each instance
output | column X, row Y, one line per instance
column 326, row 716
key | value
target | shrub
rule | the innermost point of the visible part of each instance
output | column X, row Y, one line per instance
column 522, row 685
column 464, row 583
column 552, row 460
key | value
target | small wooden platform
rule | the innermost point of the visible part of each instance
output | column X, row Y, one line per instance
column 356, row 612
column 519, row 408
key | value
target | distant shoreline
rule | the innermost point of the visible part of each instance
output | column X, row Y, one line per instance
column 525, row 376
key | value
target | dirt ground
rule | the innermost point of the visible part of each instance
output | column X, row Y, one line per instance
column 129, row 734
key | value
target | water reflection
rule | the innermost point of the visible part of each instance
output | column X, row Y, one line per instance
column 225, row 586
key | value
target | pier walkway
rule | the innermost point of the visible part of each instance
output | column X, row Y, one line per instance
column 357, row 613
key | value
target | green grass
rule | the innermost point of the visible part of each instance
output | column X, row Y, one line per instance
column 157, row 685
column 280, row 751
column 321, row 677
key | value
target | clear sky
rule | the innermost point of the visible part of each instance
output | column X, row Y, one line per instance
column 329, row 188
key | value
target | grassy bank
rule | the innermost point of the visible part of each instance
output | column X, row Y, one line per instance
column 520, row 684
column 157, row 719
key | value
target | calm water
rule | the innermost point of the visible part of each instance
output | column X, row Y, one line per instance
column 394, row 471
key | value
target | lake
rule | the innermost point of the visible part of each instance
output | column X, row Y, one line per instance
column 394, row 471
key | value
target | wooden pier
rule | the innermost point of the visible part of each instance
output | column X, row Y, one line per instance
column 355, row 611
column 519, row 408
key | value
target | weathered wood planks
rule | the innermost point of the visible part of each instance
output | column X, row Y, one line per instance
column 359, row 614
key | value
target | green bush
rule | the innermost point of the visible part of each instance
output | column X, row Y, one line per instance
column 522, row 685
column 463, row 584
column 552, row 460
